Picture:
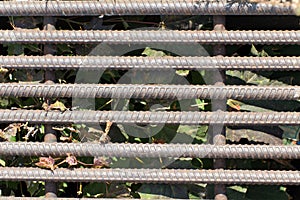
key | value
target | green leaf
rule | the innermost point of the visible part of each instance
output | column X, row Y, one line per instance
column 290, row 132
column 15, row 49
column 64, row 49
column 253, row 78
column 266, row 192
column 13, row 139
column 196, row 191
column 239, row 188
column 94, row 189
column 182, row 72
column 2, row 162
column 4, row 102
column 236, row 192
column 36, row 188
column 255, row 52
column 153, row 53
column 201, row 103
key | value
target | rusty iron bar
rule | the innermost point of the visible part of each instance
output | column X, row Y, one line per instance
column 151, row 150
column 57, row 198
column 49, row 75
column 141, row 7
column 157, row 63
column 39, row 198
column 218, row 132
column 171, row 176
column 149, row 91
column 147, row 117
column 146, row 37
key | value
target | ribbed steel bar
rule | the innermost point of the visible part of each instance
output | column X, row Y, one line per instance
column 69, row 198
column 145, row 117
column 140, row 7
column 149, row 91
column 218, row 133
column 172, row 176
column 150, row 150
column 49, row 75
column 146, row 37
column 157, row 63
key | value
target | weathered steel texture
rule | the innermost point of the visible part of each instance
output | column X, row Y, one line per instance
column 218, row 133
column 146, row 37
column 147, row 63
column 172, row 176
column 49, row 75
column 141, row 7
column 150, row 91
column 145, row 117
column 150, row 150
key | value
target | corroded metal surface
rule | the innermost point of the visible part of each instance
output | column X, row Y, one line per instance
column 146, row 37
column 149, row 63
column 145, row 117
column 141, row 7
column 150, row 91
column 172, row 176
column 151, row 150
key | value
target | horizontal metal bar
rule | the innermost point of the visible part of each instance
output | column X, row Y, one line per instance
column 172, row 176
column 69, row 198
column 157, row 63
column 140, row 7
column 150, row 150
column 146, row 37
column 149, row 91
column 145, row 117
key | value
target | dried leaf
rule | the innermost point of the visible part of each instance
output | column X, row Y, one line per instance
column 31, row 132
column 3, row 137
column 104, row 138
column 100, row 162
column 58, row 106
column 66, row 139
column 71, row 160
column 12, row 130
column 3, row 70
column 55, row 106
column 45, row 106
column 158, row 141
column 234, row 104
column 45, row 162
column 108, row 125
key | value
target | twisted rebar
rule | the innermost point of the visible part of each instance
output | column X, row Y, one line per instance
column 145, row 117
column 172, row 176
column 62, row 198
column 149, row 91
column 150, row 150
column 141, row 7
column 157, row 63
column 144, row 37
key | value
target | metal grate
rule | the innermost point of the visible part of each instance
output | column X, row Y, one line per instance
column 216, row 91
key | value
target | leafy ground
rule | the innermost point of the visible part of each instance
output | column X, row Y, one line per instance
column 165, row 134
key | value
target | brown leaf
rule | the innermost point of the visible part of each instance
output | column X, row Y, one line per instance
column 54, row 106
column 71, row 160
column 108, row 125
column 100, row 162
column 12, row 129
column 46, row 162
